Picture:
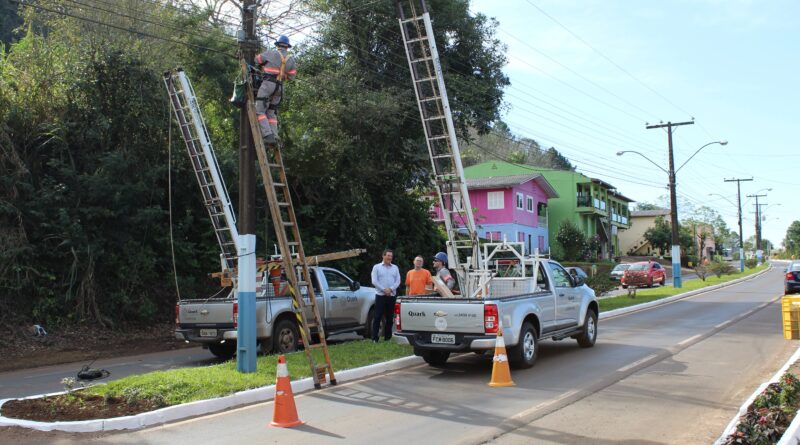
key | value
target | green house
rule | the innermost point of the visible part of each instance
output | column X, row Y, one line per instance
column 594, row 206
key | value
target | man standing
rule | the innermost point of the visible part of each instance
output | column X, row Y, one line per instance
column 386, row 280
column 277, row 65
column 418, row 280
column 440, row 266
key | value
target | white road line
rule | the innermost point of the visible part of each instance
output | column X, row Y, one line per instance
column 690, row 339
column 523, row 414
column 637, row 363
column 724, row 323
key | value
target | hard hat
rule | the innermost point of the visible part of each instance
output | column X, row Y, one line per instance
column 283, row 40
column 441, row 256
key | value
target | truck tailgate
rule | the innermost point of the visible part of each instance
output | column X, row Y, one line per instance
column 206, row 313
column 442, row 316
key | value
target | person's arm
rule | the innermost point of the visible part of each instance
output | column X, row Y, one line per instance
column 408, row 278
column 449, row 280
column 374, row 277
column 291, row 68
column 395, row 280
column 428, row 281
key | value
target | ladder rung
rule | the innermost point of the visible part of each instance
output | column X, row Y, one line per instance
column 442, row 156
column 431, row 98
column 273, row 165
column 425, row 79
column 438, row 138
column 435, row 118
column 283, row 204
column 293, row 243
column 278, row 184
column 419, row 39
column 287, row 223
column 415, row 19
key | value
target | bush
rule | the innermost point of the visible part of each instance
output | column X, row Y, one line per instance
column 701, row 271
column 766, row 418
column 720, row 268
column 751, row 263
column 601, row 283
column 571, row 240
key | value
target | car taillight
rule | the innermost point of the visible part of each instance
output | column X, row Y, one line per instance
column 490, row 318
column 177, row 314
column 397, row 323
column 235, row 315
column 789, row 276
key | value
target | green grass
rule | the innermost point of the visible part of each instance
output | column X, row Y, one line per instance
column 189, row 384
column 647, row 295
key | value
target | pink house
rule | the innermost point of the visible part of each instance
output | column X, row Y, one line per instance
column 514, row 207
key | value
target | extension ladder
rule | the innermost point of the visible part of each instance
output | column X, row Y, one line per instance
column 440, row 135
column 204, row 163
column 273, row 173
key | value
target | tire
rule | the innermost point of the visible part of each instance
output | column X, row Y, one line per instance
column 663, row 281
column 589, row 334
column 366, row 332
column 435, row 358
column 650, row 282
column 223, row 351
column 286, row 337
column 525, row 353
column 624, row 286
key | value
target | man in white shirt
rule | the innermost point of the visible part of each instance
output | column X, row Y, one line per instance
column 386, row 280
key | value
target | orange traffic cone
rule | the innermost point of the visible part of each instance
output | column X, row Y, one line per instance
column 501, row 374
column 285, row 414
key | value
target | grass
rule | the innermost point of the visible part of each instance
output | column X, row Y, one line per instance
column 190, row 384
column 185, row 385
column 647, row 295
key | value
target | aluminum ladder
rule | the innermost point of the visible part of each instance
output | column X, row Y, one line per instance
column 204, row 163
column 273, row 173
column 426, row 72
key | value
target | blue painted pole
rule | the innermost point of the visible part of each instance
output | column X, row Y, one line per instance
column 676, row 267
column 246, row 297
column 741, row 259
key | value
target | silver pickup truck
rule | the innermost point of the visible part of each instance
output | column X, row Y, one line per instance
column 533, row 302
column 344, row 305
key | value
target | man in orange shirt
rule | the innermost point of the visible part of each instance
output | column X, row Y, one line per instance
column 418, row 280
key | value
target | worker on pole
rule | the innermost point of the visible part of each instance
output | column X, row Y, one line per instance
column 277, row 66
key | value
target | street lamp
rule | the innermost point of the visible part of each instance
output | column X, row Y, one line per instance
column 673, row 200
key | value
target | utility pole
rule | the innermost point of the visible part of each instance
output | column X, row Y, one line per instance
column 673, row 202
column 758, row 226
column 246, row 282
column 739, row 201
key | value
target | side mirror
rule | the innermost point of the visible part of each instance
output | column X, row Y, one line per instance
column 355, row 285
column 579, row 281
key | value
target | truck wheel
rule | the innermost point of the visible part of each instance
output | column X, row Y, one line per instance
column 524, row 354
column 435, row 358
column 286, row 337
column 367, row 331
column 589, row 335
column 223, row 351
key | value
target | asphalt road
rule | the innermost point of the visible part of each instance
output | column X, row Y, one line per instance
column 672, row 374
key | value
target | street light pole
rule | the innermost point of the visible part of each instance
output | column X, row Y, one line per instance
column 758, row 225
column 673, row 202
column 741, row 238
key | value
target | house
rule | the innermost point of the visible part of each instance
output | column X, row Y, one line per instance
column 631, row 241
column 592, row 205
column 512, row 208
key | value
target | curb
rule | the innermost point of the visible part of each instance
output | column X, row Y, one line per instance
column 199, row 407
column 648, row 305
column 793, row 431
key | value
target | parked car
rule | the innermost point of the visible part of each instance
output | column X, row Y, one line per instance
column 618, row 270
column 577, row 272
column 645, row 273
column 791, row 281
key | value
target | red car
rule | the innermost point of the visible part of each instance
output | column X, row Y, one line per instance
column 645, row 273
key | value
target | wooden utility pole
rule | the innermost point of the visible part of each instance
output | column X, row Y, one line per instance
column 739, row 201
column 673, row 203
column 246, row 295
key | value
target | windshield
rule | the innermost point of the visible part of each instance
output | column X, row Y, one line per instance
column 643, row 266
column 621, row 267
column 795, row 267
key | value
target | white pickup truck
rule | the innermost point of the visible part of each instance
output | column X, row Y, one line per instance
column 344, row 306
column 533, row 302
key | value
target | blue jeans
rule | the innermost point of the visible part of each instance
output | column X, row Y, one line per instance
column 384, row 310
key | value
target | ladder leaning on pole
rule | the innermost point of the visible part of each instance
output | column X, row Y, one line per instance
column 273, row 173
column 426, row 72
column 204, row 163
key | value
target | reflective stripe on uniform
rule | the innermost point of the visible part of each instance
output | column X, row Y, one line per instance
column 261, row 117
column 292, row 72
column 272, row 121
column 272, row 70
column 259, row 60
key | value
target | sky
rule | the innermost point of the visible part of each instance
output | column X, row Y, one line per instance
column 587, row 76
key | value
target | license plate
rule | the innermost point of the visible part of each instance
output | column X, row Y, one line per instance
column 447, row 339
column 208, row 332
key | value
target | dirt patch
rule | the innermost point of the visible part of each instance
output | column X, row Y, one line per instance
column 75, row 406
column 21, row 349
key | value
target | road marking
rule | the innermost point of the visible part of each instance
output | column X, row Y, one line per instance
column 637, row 363
column 523, row 414
column 690, row 339
column 724, row 323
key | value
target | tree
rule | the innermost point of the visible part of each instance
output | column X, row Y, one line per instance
column 646, row 206
column 660, row 235
column 573, row 243
column 791, row 242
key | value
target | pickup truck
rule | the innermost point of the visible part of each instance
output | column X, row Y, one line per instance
column 537, row 301
column 344, row 305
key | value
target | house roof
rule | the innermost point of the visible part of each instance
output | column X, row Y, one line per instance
column 510, row 181
column 621, row 196
column 656, row 212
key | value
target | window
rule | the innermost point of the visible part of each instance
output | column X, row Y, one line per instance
column 495, row 200
column 529, row 202
column 560, row 276
column 493, row 236
column 521, row 237
column 519, row 201
column 336, row 281
column 541, row 244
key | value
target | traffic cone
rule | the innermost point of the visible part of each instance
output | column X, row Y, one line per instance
column 501, row 374
column 285, row 414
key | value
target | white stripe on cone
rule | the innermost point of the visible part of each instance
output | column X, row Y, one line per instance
column 283, row 371
column 500, row 358
column 500, row 343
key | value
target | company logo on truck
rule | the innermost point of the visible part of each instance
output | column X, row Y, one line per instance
column 440, row 314
column 416, row 314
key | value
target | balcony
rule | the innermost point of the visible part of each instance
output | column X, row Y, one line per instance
column 619, row 220
column 542, row 221
column 590, row 204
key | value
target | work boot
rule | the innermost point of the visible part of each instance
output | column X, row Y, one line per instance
column 270, row 139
